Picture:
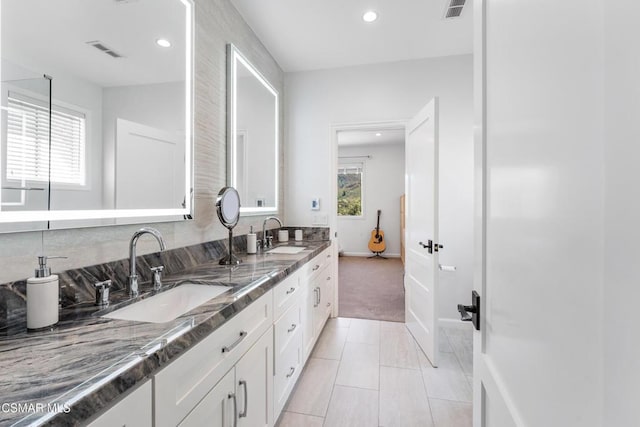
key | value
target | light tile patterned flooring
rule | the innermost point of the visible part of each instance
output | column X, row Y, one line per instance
column 371, row 373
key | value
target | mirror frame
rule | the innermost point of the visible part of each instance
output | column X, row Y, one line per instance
column 186, row 212
column 234, row 56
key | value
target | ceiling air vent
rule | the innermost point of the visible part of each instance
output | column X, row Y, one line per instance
column 104, row 48
column 454, row 8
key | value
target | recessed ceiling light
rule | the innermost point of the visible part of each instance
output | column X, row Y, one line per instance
column 163, row 43
column 378, row 134
column 370, row 16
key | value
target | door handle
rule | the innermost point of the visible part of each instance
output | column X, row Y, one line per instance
column 471, row 313
column 431, row 247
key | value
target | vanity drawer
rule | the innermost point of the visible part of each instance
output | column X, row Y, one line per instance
column 287, row 370
column 288, row 327
column 184, row 382
column 285, row 294
column 313, row 267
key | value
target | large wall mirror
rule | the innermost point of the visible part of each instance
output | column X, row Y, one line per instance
column 96, row 107
column 253, row 133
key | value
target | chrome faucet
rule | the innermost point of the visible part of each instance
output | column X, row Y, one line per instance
column 133, row 277
column 265, row 242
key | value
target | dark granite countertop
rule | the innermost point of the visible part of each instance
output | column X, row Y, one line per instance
column 82, row 365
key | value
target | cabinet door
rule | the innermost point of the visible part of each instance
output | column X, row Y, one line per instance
column 217, row 408
column 254, row 384
column 308, row 307
column 326, row 294
column 133, row 410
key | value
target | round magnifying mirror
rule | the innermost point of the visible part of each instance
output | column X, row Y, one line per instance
column 228, row 207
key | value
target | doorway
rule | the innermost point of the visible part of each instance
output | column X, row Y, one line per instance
column 368, row 190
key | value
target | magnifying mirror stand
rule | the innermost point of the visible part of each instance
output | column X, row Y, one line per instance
column 230, row 259
column 228, row 209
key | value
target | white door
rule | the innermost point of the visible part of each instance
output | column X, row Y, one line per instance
column 421, row 269
column 146, row 171
column 538, row 357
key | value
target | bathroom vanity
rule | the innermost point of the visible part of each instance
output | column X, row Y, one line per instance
column 234, row 358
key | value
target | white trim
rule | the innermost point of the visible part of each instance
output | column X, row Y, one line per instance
column 368, row 254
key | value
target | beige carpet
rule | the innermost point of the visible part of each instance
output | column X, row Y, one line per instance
column 371, row 288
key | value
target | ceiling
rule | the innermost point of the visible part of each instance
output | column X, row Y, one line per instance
column 51, row 37
column 311, row 34
column 356, row 138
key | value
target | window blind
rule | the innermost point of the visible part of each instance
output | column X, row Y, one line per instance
column 28, row 142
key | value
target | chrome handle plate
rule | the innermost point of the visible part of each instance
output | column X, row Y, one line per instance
column 235, row 409
column 316, row 302
column 292, row 328
column 227, row 349
column 292, row 370
column 290, row 291
column 243, row 414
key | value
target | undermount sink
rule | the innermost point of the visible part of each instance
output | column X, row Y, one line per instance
column 286, row 250
column 168, row 305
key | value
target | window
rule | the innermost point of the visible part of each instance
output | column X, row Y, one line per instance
column 28, row 142
column 350, row 189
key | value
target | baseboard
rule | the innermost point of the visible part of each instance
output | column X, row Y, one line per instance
column 454, row 324
column 368, row 254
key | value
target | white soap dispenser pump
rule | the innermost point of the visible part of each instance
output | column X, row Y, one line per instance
column 42, row 296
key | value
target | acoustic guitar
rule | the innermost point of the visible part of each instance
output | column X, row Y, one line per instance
column 376, row 243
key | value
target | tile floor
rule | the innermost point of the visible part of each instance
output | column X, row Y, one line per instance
column 371, row 373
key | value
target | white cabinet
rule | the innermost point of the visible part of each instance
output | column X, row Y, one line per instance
column 134, row 410
column 317, row 282
column 218, row 408
column 254, row 384
column 243, row 397
column 182, row 384
column 288, row 355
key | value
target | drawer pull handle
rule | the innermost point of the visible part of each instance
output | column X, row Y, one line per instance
column 291, row 372
column 328, row 255
column 328, row 304
column 290, row 291
column 225, row 349
column 243, row 414
column 235, row 409
column 293, row 327
column 328, row 278
column 317, row 266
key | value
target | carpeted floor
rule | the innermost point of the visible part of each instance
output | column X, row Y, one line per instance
column 371, row 288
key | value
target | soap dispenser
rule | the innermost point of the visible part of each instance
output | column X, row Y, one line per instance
column 42, row 296
column 251, row 242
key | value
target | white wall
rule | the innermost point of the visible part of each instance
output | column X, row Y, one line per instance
column 316, row 100
column 383, row 184
column 255, row 111
column 622, row 214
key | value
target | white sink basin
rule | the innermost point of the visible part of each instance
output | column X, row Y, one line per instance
column 168, row 305
column 287, row 250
